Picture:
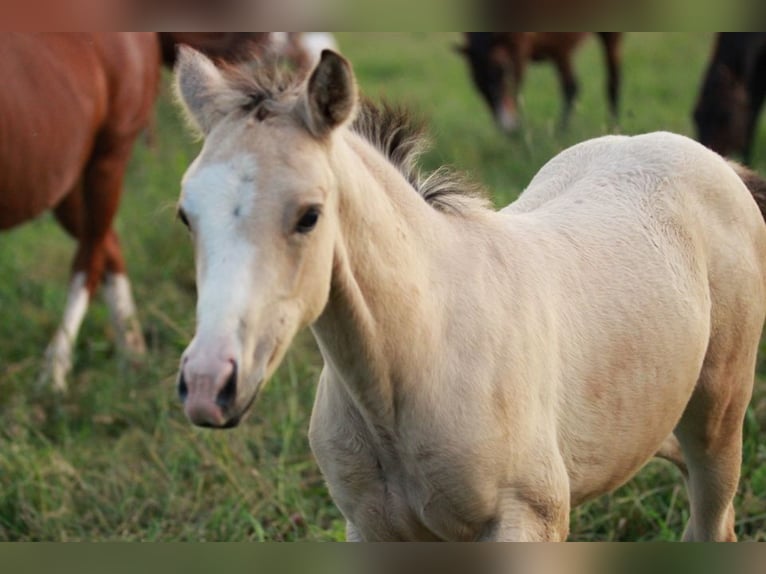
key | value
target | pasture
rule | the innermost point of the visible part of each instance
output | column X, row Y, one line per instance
column 116, row 460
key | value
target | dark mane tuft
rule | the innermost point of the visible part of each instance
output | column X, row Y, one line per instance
column 262, row 79
column 393, row 131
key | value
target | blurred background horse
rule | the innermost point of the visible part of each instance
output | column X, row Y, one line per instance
column 494, row 58
column 301, row 49
column 70, row 111
column 732, row 93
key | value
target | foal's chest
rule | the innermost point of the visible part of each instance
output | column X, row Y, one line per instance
column 386, row 494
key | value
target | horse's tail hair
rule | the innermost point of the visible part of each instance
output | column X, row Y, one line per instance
column 754, row 182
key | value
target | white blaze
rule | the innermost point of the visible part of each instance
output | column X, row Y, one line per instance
column 216, row 199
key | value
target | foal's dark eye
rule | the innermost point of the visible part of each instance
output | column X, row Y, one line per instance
column 183, row 218
column 308, row 220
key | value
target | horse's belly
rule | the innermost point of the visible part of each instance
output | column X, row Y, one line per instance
column 620, row 424
column 29, row 195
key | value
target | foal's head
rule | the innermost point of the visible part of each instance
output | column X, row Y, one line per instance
column 260, row 205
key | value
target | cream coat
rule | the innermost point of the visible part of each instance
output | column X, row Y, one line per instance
column 484, row 371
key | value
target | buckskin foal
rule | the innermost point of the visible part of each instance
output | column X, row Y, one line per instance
column 484, row 371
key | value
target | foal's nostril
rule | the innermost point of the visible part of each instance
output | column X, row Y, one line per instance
column 228, row 393
column 183, row 389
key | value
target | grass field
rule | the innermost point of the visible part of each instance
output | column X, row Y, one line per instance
column 115, row 458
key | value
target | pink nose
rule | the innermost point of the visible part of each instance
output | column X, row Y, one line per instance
column 208, row 390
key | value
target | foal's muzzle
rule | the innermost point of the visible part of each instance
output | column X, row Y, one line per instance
column 208, row 391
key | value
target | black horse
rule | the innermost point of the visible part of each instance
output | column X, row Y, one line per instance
column 732, row 93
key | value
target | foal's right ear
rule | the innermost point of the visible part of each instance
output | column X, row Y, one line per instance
column 331, row 96
column 199, row 88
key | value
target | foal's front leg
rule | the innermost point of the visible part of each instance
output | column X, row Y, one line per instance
column 352, row 533
column 525, row 518
column 534, row 505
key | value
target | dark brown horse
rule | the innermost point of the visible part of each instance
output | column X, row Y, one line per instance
column 70, row 111
column 495, row 58
column 302, row 49
column 732, row 93
column 231, row 47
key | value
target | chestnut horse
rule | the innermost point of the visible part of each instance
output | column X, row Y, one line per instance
column 496, row 57
column 70, row 112
column 732, row 93
column 484, row 371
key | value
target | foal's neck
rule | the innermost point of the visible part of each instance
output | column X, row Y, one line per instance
column 378, row 318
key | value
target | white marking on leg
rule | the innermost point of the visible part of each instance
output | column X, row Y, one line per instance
column 58, row 356
column 508, row 120
column 122, row 309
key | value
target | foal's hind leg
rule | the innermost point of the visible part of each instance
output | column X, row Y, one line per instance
column 710, row 434
column 670, row 450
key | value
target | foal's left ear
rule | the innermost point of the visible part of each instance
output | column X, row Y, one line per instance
column 201, row 90
column 331, row 95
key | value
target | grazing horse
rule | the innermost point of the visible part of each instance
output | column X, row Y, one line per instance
column 493, row 57
column 68, row 119
column 484, row 371
column 732, row 93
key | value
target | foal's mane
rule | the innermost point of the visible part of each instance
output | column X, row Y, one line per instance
column 392, row 130
column 403, row 140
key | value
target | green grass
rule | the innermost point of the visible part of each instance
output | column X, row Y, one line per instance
column 116, row 460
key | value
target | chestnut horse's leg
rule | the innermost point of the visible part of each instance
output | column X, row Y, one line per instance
column 87, row 214
column 58, row 356
column 119, row 299
column 100, row 254
column 612, row 42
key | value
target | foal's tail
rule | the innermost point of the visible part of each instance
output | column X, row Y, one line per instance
column 754, row 182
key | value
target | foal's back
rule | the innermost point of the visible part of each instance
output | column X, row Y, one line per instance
column 632, row 177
